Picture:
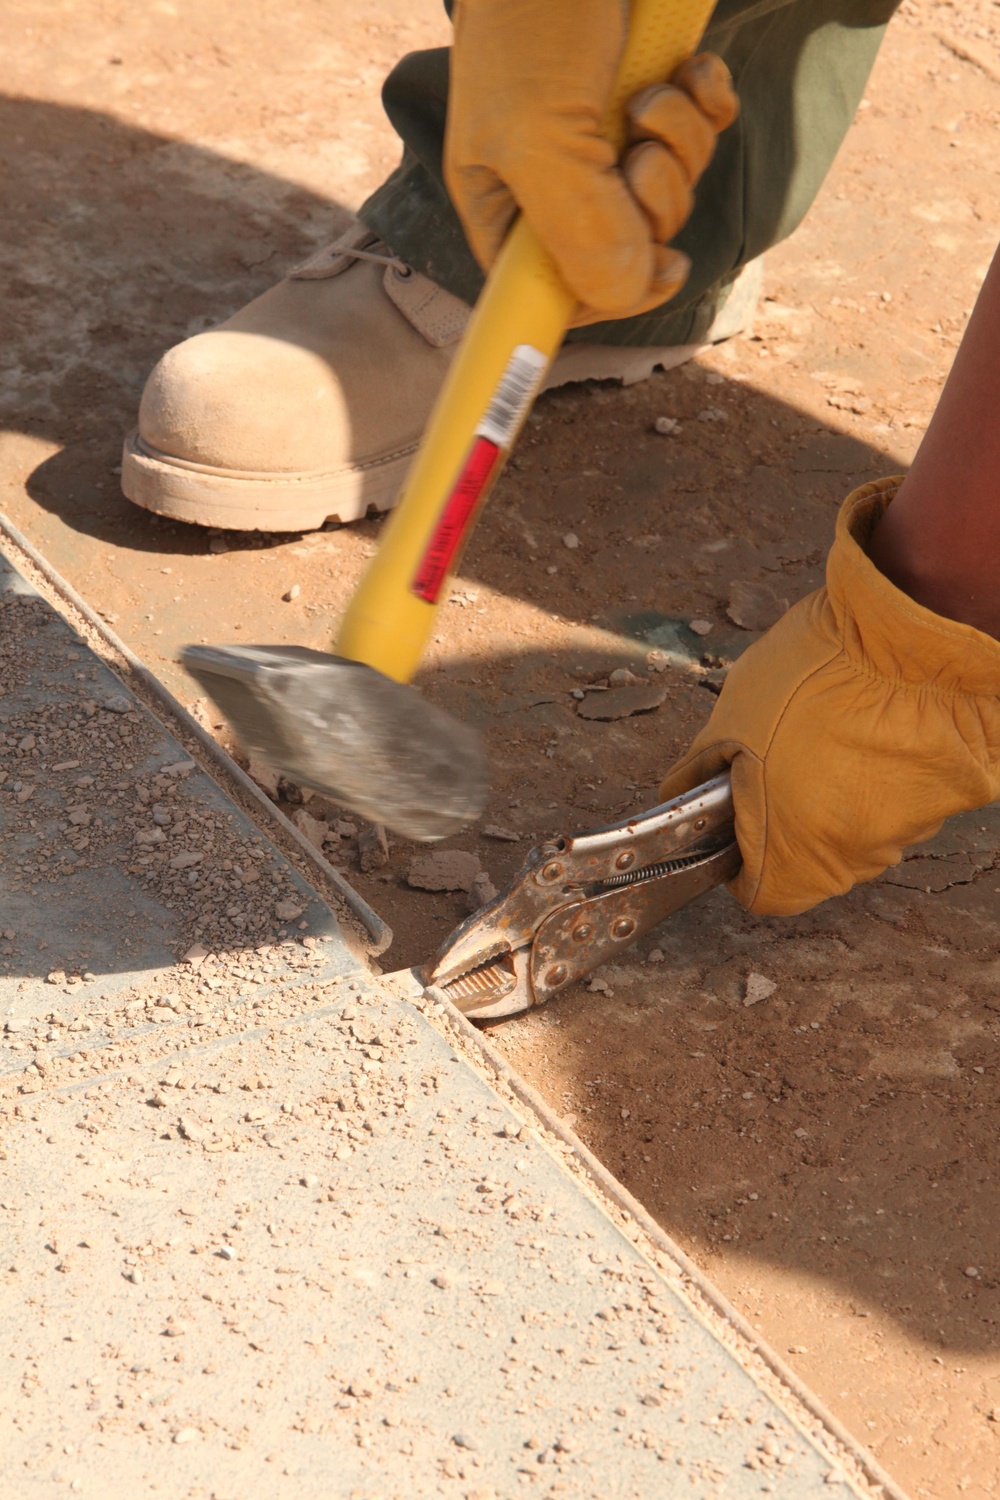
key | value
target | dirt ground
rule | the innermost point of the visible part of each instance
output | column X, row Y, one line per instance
column 828, row 1155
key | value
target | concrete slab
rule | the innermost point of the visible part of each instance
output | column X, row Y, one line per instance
column 271, row 1224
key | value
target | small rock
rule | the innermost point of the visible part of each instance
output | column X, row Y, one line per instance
column 292, row 593
column 226, row 1252
column 462, row 1440
column 712, row 414
column 195, row 955
column 187, row 1435
column 845, row 401
column 181, row 768
column 700, row 627
column 754, row 606
column 655, row 956
column 313, row 829
column 621, row 703
column 597, row 986
column 505, row 835
column 666, row 426
column 622, row 677
column 758, row 987
column 441, row 1281
column 483, row 891
column 310, row 1180
column 265, row 775
column 444, row 870
column 571, row 540
column 345, row 830
column 217, row 545
column 287, row 911
column 373, row 848
column 972, row 1272
column 146, row 837
column 117, row 704
column 186, row 860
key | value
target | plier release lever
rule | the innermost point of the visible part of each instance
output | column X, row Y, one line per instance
column 578, row 900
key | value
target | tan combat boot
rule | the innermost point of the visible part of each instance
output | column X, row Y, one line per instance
column 308, row 404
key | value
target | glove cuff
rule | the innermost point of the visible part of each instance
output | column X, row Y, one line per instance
column 886, row 633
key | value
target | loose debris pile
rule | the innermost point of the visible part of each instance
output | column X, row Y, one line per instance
column 84, row 782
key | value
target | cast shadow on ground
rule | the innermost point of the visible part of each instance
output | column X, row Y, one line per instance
column 120, row 242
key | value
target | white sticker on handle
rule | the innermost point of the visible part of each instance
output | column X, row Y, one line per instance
column 512, row 397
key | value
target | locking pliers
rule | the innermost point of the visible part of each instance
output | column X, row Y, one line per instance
column 580, row 899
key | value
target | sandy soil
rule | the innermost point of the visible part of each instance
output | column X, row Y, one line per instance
column 827, row 1154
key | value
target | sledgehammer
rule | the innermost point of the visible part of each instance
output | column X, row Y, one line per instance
column 349, row 724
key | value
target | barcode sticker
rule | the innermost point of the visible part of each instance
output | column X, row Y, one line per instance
column 517, row 389
column 484, row 460
column 455, row 519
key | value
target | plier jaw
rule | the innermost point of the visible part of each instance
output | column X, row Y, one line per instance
column 580, row 899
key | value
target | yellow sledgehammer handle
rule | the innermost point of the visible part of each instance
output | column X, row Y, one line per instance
column 514, row 334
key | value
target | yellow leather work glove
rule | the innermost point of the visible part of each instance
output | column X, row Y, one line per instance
column 854, row 727
column 530, row 81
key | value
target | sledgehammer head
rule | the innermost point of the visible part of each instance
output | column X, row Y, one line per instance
column 343, row 728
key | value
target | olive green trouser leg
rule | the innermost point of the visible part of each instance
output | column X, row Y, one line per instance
column 800, row 68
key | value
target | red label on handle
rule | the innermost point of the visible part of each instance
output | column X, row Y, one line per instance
column 455, row 519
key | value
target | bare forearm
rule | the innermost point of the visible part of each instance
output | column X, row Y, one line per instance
column 939, row 541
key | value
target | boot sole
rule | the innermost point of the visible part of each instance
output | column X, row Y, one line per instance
column 235, row 501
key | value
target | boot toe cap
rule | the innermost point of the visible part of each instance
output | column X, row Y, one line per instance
column 243, row 401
